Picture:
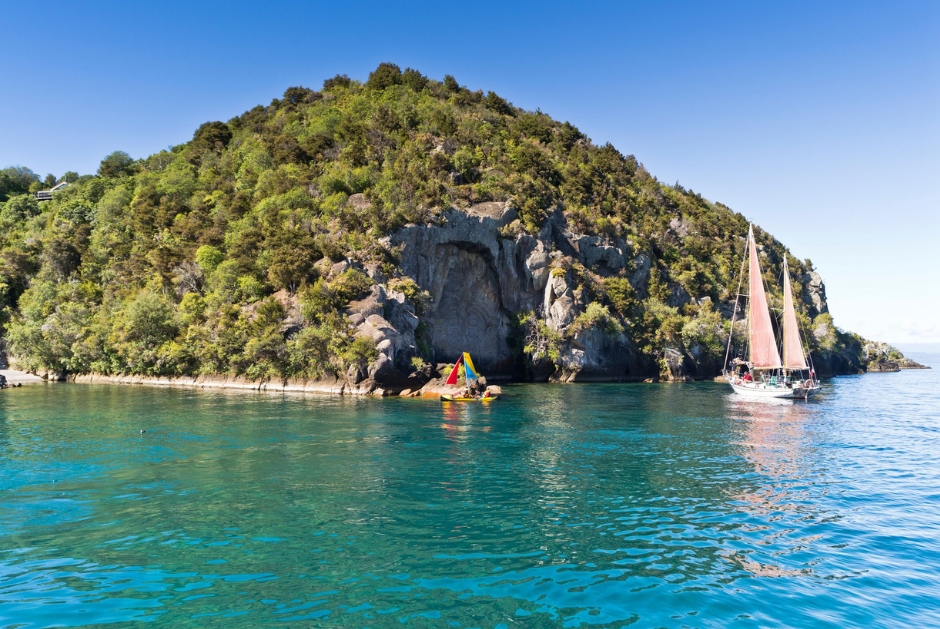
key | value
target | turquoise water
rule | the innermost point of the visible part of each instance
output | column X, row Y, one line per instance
column 557, row 506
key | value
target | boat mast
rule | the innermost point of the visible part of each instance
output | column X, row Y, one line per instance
column 737, row 298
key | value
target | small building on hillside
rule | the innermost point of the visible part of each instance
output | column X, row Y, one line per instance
column 46, row 195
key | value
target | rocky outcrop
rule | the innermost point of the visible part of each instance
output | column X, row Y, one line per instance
column 477, row 281
column 881, row 357
column 814, row 294
column 481, row 272
column 480, row 279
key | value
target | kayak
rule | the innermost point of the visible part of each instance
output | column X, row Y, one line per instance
column 450, row 398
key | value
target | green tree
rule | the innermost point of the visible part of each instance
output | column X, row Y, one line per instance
column 116, row 164
column 295, row 96
column 414, row 79
column 141, row 327
column 498, row 104
column 209, row 258
column 16, row 180
column 211, row 136
column 338, row 81
column 385, row 75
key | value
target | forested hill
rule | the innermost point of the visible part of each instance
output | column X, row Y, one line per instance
column 278, row 244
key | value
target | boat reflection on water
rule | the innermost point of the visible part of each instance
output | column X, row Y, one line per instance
column 461, row 418
column 780, row 505
column 773, row 434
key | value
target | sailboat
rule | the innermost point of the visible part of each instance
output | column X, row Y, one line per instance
column 465, row 364
column 764, row 374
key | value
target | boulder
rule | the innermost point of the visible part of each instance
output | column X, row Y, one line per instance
column 381, row 368
column 594, row 251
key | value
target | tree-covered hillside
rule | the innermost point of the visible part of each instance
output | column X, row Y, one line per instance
column 238, row 252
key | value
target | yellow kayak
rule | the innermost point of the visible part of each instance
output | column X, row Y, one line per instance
column 450, row 398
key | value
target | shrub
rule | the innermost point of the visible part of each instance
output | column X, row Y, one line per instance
column 211, row 136
column 541, row 343
column 385, row 75
column 620, row 294
column 117, row 164
column 209, row 258
column 596, row 316
column 338, row 81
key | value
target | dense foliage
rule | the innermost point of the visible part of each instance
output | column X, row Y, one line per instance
column 215, row 256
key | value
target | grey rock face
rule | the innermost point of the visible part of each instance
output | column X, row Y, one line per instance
column 594, row 355
column 640, row 268
column 476, row 279
column 479, row 278
column 558, row 305
column 467, row 310
column 674, row 366
column 593, row 252
column 678, row 296
column 814, row 294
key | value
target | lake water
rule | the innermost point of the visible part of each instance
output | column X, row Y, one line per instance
column 556, row 506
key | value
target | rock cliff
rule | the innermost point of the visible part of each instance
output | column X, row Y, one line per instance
column 481, row 278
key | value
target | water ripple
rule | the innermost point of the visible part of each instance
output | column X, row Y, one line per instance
column 593, row 505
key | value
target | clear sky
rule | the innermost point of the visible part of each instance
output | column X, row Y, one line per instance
column 820, row 121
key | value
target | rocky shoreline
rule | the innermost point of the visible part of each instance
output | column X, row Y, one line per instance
column 432, row 388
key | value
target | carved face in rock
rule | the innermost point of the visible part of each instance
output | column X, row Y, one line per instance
column 467, row 315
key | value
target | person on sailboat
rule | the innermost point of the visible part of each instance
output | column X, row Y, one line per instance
column 747, row 376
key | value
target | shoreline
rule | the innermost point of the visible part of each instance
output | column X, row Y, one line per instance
column 333, row 386
column 328, row 386
column 14, row 376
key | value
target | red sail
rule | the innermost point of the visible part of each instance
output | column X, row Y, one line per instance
column 764, row 352
column 793, row 357
column 452, row 378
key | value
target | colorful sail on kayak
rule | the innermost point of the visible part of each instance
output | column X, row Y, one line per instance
column 468, row 366
column 455, row 372
column 470, row 372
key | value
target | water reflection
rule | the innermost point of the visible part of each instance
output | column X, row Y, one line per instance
column 555, row 506
column 777, row 443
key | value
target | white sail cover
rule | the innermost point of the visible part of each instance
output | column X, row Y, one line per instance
column 793, row 357
column 764, row 352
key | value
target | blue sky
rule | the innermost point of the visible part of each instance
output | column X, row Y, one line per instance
column 820, row 121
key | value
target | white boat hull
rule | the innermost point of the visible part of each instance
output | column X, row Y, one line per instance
column 765, row 391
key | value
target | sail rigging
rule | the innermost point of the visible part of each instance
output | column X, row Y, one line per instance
column 793, row 356
column 764, row 354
